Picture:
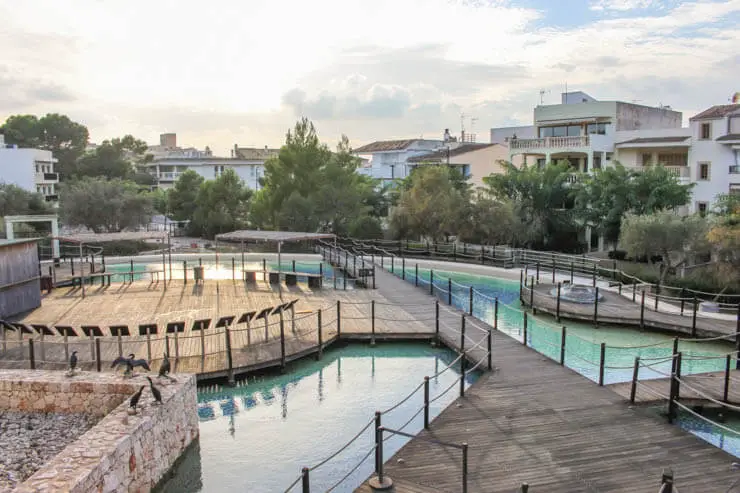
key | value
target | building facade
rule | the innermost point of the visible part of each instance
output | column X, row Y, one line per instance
column 388, row 160
column 474, row 161
column 30, row 169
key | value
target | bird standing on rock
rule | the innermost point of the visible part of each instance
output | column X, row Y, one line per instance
column 164, row 369
column 155, row 391
column 135, row 398
column 73, row 361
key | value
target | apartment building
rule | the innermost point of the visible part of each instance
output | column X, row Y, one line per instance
column 474, row 161
column 388, row 160
column 30, row 169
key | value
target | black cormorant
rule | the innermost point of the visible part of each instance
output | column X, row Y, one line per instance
column 130, row 363
column 164, row 369
column 155, row 391
column 73, row 361
column 135, row 398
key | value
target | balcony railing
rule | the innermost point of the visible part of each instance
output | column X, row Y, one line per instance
column 47, row 177
column 683, row 173
column 550, row 143
column 735, row 170
column 170, row 176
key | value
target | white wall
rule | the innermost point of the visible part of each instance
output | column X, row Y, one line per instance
column 18, row 166
column 500, row 135
column 720, row 156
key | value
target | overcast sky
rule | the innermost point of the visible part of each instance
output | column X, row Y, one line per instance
column 242, row 71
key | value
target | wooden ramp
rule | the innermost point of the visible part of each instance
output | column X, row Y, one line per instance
column 619, row 310
column 533, row 421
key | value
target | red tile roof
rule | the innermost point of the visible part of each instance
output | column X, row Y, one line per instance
column 385, row 145
column 718, row 111
column 442, row 154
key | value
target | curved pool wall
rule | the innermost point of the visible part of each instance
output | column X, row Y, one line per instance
column 257, row 436
column 583, row 341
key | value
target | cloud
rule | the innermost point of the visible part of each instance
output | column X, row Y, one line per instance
column 21, row 92
column 622, row 5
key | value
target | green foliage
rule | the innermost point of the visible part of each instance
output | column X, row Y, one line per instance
column 494, row 221
column 221, row 205
column 366, row 228
column 308, row 187
column 182, row 197
column 104, row 205
column 57, row 133
column 116, row 158
column 15, row 201
column 432, row 207
column 655, row 189
column 125, row 248
column 544, row 199
column 666, row 234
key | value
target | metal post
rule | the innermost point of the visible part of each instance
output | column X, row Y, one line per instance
column 31, row 354
column 642, row 310
column 233, row 269
column 305, row 482
column 490, row 349
column 470, row 304
column 403, row 268
column 98, row 363
column 538, row 272
column 372, row 319
column 449, row 291
column 571, row 272
column 602, row 362
column 185, row 271
column 596, row 308
column 563, row 338
column 495, row 313
column 426, row 403
column 416, row 275
column 728, row 366
column 339, row 318
column 464, row 467
column 431, row 281
column 693, row 317
column 524, row 339
column 557, row 304
column 282, row 342
column 436, row 321
column 378, row 446
column 229, row 357
column 635, row 372
column 462, row 360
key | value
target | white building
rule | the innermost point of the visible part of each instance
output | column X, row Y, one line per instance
column 714, row 157
column 388, row 160
column 582, row 130
column 30, row 169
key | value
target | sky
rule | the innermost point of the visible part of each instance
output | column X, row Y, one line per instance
column 228, row 72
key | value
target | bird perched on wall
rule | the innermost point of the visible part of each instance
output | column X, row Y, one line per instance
column 135, row 398
column 164, row 368
column 130, row 363
column 73, row 361
column 155, row 391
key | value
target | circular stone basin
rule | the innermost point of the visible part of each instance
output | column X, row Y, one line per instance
column 577, row 293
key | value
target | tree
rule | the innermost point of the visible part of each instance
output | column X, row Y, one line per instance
column 15, row 201
column 116, row 158
column 494, row 222
column 182, row 197
column 724, row 237
column 666, row 234
column 221, row 205
column 544, row 197
column 104, row 205
column 366, row 228
column 57, row 133
column 656, row 189
column 432, row 207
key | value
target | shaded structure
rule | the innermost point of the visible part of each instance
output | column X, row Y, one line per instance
column 20, row 289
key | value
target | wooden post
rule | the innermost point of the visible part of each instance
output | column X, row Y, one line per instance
column 524, row 339
column 282, row 342
column 657, row 294
column 683, row 296
column 462, row 360
column 672, row 399
column 563, row 337
column 635, row 372
column 490, row 349
column 416, row 275
column 470, row 304
column 293, row 264
column 233, row 269
column 378, row 444
column 553, row 268
column 321, row 342
column 98, row 363
column 229, row 357
column 531, row 298
column 131, row 265
column 431, row 282
column 449, row 291
column 693, row 317
column 31, row 355
column 602, row 362
column 594, row 276
column 634, row 291
column 571, row 272
column 305, row 480
column 495, row 313
column 177, row 345
column 596, row 308
column 185, row 271
column 678, row 375
column 521, row 286
column 538, row 272
column 339, row 318
column 557, row 304
column 737, row 350
column 372, row 319
column 728, row 366
column 642, row 310
column 426, row 403
column 674, row 355
column 203, row 340
column 373, row 276
column 403, row 268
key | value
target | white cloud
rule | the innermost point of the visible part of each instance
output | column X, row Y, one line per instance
column 622, row 5
column 240, row 72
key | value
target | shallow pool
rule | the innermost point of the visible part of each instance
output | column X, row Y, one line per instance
column 256, row 437
column 583, row 341
column 725, row 436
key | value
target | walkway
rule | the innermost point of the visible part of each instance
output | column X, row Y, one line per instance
column 702, row 387
column 535, row 421
column 618, row 309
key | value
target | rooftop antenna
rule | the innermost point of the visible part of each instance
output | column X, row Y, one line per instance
column 542, row 96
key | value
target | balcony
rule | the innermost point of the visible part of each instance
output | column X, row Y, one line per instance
column 170, row 176
column 46, row 177
column 735, row 170
column 682, row 173
column 550, row 143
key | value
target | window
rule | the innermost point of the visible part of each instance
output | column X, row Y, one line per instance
column 673, row 159
column 597, row 162
column 560, row 131
column 701, row 208
column 574, row 130
column 546, row 132
column 597, row 128
column 706, row 131
column 703, row 171
column 647, row 159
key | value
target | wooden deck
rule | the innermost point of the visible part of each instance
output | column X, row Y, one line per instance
column 619, row 310
column 533, row 421
column 706, row 386
column 205, row 353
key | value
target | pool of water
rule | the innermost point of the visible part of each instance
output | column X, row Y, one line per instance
column 257, row 436
column 725, row 436
column 583, row 351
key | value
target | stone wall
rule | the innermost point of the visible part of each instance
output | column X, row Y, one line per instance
column 127, row 453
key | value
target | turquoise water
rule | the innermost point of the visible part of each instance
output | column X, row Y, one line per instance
column 256, row 437
column 726, row 439
column 583, row 351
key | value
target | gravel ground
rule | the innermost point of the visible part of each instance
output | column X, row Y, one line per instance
column 28, row 440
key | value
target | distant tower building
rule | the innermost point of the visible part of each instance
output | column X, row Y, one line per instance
column 168, row 140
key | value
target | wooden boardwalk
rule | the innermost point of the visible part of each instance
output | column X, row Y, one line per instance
column 700, row 387
column 254, row 346
column 534, row 421
column 619, row 310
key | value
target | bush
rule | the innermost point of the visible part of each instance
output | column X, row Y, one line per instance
column 617, row 254
column 124, row 248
